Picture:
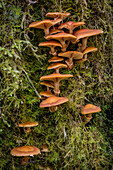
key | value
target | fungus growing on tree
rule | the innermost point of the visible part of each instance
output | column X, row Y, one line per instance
column 88, row 50
column 56, row 78
column 27, row 126
column 25, row 152
column 55, row 59
column 71, row 55
column 46, row 93
column 57, row 15
column 53, row 101
column 52, row 45
column 64, row 39
column 45, row 24
column 57, row 67
column 70, row 26
column 84, row 34
column 87, row 111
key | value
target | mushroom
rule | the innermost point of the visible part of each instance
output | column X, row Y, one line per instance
column 52, row 45
column 45, row 24
column 84, row 34
column 57, row 66
column 88, row 50
column 25, row 151
column 57, row 15
column 70, row 26
column 55, row 59
column 87, row 111
column 64, row 39
column 27, row 126
column 71, row 55
column 56, row 78
column 53, row 101
column 48, row 84
column 46, row 93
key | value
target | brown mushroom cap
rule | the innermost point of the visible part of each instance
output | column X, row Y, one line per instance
column 89, row 49
column 46, row 93
column 70, row 25
column 57, row 15
column 25, row 151
column 62, row 37
column 86, row 33
column 53, row 101
column 45, row 24
column 56, row 65
column 56, row 59
column 48, row 84
column 28, row 124
column 71, row 54
column 50, row 43
column 90, row 108
column 54, row 76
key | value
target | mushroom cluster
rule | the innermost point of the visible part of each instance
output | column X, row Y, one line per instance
column 60, row 35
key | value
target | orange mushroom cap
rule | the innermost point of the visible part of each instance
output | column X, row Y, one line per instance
column 48, row 84
column 55, row 59
column 89, row 49
column 86, row 33
column 90, row 108
column 46, row 93
column 53, row 101
column 71, row 54
column 54, row 76
column 45, row 24
column 28, row 124
column 57, row 65
column 50, row 43
column 57, row 15
column 70, row 25
column 25, row 151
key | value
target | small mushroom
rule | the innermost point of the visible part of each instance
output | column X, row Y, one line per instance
column 52, row 45
column 55, row 30
column 57, row 66
column 71, row 55
column 70, row 26
column 56, row 78
column 53, row 101
column 64, row 39
column 25, row 151
column 45, row 24
column 27, row 126
column 88, row 50
column 49, row 84
column 57, row 15
column 80, row 61
column 55, row 59
column 84, row 34
column 46, row 93
column 87, row 111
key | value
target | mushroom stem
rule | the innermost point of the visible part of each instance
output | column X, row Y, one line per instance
column 53, row 108
column 70, row 31
column 89, row 115
column 64, row 46
column 56, row 89
column 46, row 30
column 27, row 129
column 85, row 56
column 84, row 44
column 53, row 51
column 25, row 160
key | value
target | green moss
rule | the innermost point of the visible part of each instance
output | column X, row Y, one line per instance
column 72, row 146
